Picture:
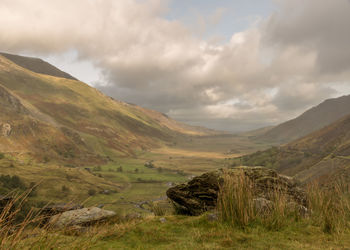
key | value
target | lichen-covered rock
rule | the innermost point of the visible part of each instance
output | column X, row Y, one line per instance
column 81, row 217
column 201, row 193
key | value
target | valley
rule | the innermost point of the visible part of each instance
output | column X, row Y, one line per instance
column 65, row 142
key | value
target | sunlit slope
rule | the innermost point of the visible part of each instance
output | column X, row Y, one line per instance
column 323, row 152
column 73, row 109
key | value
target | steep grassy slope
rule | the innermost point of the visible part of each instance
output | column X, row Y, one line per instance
column 326, row 151
column 71, row 110
column 312, row 120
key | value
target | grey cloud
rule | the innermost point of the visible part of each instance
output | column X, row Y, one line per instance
column 299, row 97
column 257, row 78
column 322, row 26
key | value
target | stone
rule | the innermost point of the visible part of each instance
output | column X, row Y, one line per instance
column 133, row 216
column 303, row 211
column 201, row 193
column 262, row 205
column 6, row 129
column 213, row 216
column 51, row 210
column 162, row 220
column 81, row 217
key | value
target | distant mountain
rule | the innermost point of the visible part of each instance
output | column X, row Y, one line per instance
column 37, row 65
column 48, row 114
column 312, row 120
column 324, row 152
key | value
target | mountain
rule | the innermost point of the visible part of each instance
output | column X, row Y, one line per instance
column 312, row 120
column 37, row 65
column 48, row 114
column 321, row 153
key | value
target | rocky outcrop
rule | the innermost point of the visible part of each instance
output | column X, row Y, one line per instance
column 5, row 129
column 81, row 217
column 201, row 193
column 9, row 103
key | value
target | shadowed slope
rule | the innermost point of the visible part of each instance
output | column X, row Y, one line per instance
column 323, row 152
column 37, row 65
column 312, row 120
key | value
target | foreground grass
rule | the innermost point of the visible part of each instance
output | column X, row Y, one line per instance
column 327, row 227
column 180, row 232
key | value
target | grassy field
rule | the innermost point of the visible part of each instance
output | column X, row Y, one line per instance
column 182, row 232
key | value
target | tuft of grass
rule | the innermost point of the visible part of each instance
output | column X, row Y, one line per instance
column 330, row 206
column 235, row 200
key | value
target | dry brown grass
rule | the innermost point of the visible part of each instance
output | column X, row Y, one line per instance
column 329, row 208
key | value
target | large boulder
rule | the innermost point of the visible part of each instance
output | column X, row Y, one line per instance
column 201, row 193
column 51, row 210
column 81, row 217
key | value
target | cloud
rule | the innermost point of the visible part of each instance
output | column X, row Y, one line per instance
column 263, row 75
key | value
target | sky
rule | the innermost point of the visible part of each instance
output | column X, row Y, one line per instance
column 232, row 65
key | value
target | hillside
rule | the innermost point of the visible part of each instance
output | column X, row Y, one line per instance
column 323, row 152
column 52, row 115
column 312, row 120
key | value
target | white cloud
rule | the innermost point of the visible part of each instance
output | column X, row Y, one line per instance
column 263, row 75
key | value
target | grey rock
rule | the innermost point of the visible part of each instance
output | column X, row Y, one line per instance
column 303, row 211
column 213, row 217
column 6, row 129
column 262, row 205
column 81, row 217
column 162, row 220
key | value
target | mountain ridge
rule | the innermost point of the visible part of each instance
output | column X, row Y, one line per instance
column 37, row 65
column 311, row 120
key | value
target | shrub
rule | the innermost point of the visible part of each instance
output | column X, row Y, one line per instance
column 98, row 168
column 12, row 182
column 91, row 192
column 65, row 189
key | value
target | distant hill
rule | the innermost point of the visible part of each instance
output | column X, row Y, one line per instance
column 312, row 120
column 324, row 152
column 37, row 65
column 47, row 114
